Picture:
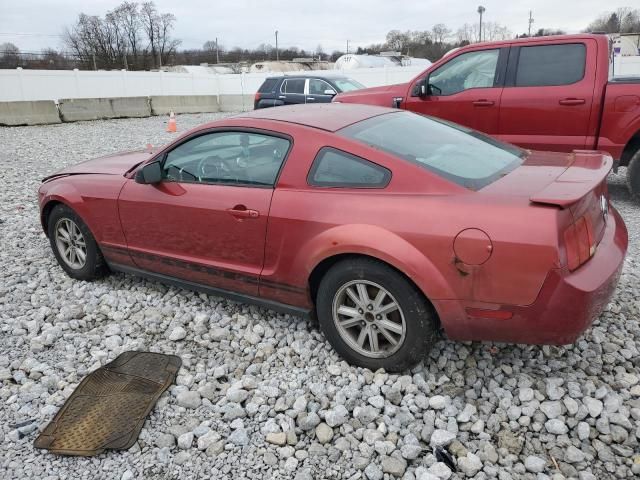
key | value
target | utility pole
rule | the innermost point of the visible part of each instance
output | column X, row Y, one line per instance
column 481, row 10
column 217, row 53
column 124, row 61
column 347, row 47
column 93, row 55
column 159, row 59
column 277, row 53
column 530, row 21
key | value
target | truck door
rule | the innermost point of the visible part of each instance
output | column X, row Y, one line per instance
column 547, row 99
column 465, row 90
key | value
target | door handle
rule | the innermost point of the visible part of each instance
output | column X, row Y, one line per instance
column 240, row 212
column 484, row 103
column 572, row 101
column 282, row 96
column 310, row 98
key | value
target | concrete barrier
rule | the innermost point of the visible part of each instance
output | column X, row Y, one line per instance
column 76, row 109
column 28, row 113
column 163, row 105
column 235, row 103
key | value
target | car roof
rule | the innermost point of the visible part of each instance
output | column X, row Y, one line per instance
column 324, row 116
column 324, row 76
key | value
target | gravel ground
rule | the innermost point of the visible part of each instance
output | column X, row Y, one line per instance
column 262, row 395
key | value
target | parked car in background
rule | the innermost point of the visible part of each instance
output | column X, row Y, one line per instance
column 544, row 93
column 385, row 224
column 292, row 90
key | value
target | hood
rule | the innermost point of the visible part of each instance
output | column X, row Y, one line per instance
column 115, row 164
column 382, row 96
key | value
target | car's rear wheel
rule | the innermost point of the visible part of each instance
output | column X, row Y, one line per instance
column 633, row 175
column 373, row 316
column 73, row 245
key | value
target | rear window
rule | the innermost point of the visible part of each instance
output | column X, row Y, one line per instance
column 461, row 155
column 547, row 65
column 269, row 85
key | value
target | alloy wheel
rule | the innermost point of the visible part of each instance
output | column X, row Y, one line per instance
column 71, row 243
column 369, row 319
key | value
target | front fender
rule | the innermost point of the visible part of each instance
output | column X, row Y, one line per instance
column 59, row 192
column 379, row 243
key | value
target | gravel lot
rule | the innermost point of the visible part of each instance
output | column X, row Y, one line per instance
column 262, row 395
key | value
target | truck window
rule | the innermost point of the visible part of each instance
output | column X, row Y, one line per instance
column 547, row 65
column 469, row 70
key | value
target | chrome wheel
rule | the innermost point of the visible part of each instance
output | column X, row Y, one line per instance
column 369, row 319
column 71, row 243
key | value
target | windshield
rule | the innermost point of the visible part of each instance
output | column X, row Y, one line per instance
column 461, row 155
column 347, row 85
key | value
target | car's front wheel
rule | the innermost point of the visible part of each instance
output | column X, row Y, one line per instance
column 73, row 245
column 373, row 316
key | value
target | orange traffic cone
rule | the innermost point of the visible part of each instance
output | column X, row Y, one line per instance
column 171, row 126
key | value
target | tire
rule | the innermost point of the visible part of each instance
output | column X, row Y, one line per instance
column 93, row 265
column 415, row 316
column 633, row 175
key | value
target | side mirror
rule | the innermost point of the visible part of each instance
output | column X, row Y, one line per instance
column 424, row 88
column 329, row 91
column 150, row 173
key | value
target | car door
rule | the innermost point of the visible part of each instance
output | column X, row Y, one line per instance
column 292, row 91
column 206, row 221
column 465, row 90
column 548, row 95
column 319, row 91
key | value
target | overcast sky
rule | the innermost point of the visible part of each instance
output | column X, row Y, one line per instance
column 302, row 23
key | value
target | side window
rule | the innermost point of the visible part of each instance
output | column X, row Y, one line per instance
column 469, row 70
column 335, row 168
column 268, row 86
column 227, row 158
column 547, row 65
column 293, row 85
column 318, row 87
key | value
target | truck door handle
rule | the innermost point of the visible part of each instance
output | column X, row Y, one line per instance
column 310, row 98
column 240, row 211
column 484, row 103
column 572, row 101
column 282, row 96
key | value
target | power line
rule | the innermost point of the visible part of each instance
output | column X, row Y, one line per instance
column 24, row 34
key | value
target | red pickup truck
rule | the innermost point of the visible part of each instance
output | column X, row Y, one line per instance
column 546, row 93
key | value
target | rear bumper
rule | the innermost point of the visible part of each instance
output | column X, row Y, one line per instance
column 566, row 306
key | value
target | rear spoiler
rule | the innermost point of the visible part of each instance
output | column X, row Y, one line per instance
column 585, row 173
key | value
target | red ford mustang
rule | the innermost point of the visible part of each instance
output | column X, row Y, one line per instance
column 385, row 224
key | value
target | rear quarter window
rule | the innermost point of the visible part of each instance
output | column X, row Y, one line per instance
column 550, row 65
column 269, row 85
column 335, row 168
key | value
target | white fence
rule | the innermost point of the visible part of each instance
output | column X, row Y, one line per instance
column 16, row 85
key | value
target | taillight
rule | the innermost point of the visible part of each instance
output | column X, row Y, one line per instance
column 256, row 97
column 579, row 242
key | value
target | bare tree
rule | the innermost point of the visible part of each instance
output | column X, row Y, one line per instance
column 493, row 31
column 468, row 33
column 397, row 40
column 9, row 55
column 440, row 32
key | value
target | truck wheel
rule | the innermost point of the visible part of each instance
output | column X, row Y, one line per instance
column 374, row 317
column 633, row 175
